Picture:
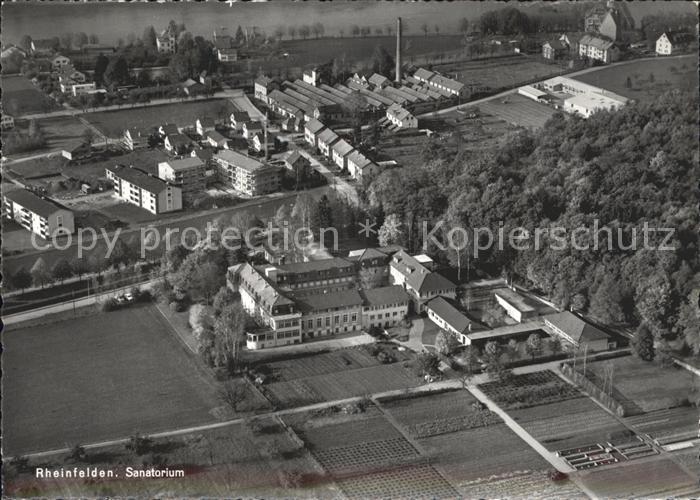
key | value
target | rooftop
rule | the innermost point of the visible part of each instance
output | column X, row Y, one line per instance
column 449, row 313
column 334, row 300
column 385, row 295
column 139, row 178
column 359, row 159
column 314, row 126
column 185, row 163
column 342, row 147
column 575, row 327
column 366, row 253
column 37, row 204
column 327, row 136
column 519, row 302
column 315, row 265
column 239, row 160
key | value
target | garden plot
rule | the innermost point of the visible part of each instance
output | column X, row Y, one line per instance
column 536, row 484
column 572, row 423
column 480, row 453
column 530, row 389
column 435, row 414
column 667, row 426
column 319, row 364
column 415, row 481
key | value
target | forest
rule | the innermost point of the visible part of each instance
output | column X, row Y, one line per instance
column 618, row 170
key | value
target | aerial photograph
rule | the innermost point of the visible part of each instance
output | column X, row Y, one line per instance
column 350, row 250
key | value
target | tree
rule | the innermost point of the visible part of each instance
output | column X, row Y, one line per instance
column 117, row 72
column 101, row 64
column 279, row 33
column 628, row 83
column 644, row 343
column 492, row 357
column 446, row 342
column 40, row 272
column 21, row 279
column 318, row 29
column 80, row 39
column 292, row 30
column 424, row 28
column 149, row 37
column 511, row 350
column 88, row 136
column 555, row 345
column 77, row 454
column 232, row 394
column 427, row 363
column 464, row 25
column 94, row 39
column 355, row 30
column 61, row 270
column 468, row 360
column 689, row 320
column 138, row 444
column 223, row 299
column 66, row 41
column 229, row 330
column 240, row 36
column 25, row 43
column 322, row 217
column 533, row 346
column 391, row 232
column 304, row 31
column 382, row 61
column 201, row 273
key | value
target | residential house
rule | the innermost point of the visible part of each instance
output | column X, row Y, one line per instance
column 204, row 125
column 168, row 129
column 570, row 40
column 516, row 306
column 250, row 128
column 191, row 87
column 37, row 214
column 238, row 119
column 598, row 49
column 187, row 173
column 401, row 117
column 274, row 143
column 147, row 191
column 216, row 139
column 325, row 140
column 554, row 50
column 68, row 74
column 263, row 86
column 76, row 89
column 166, row 42
column 339, row 152
column 415, row 274
column 76, row 149
column 608, row 26
column 579, row 332
column 134, row 138
column 8, row 122
column 446, row 316
column 379, row 81
column 59, row 61
column 246, row 174
column 360, row 79
column 312, row 129
column 227, row 55
column 43, row 47
column 178, row 144
column 672, row 42
column 298, row 164
column 360, row 166
column 292, row 124
column 384, row 307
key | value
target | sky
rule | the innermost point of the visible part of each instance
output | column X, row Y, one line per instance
column 114, row 20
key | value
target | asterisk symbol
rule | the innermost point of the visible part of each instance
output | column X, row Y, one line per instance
column 367, row 228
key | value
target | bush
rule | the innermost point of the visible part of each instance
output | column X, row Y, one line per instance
column 385, row 358
column 557, row 476
column 177, row 306
column 139, row 444
column 109, row 305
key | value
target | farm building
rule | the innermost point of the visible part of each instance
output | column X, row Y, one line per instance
column 144, row 190
column 516, row 306
column 532, row 93
column 37, row 214
column 579, row 332
column 446, row 316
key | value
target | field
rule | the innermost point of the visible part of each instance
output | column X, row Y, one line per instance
column 673, row 424
column 99, row 377
column 519, row 110
column 367, row 456
column 243, row 460
column 20, row 96
column 499, row 72
column 649, row 386
column 668, row 73
column 655, row 478
column 568, row 424
column 530, row 389
column 183, row 114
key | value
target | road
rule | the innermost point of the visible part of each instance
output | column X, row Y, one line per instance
column 263, row 208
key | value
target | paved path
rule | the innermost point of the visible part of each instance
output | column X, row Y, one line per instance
column 339, row 184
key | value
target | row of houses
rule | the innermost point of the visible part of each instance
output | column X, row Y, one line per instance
column 338, row 150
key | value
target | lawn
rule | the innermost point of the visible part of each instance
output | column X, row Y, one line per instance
column 100, row 377
column 241, row 460
column 183, row 114
column 668, row 73
column 648, row 386
column 20, row 96
column 568, row 424
column 519, row 110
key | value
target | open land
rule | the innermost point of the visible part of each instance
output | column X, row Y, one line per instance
column 100, row 377
column 20, row 96
column 672, row 73
column 648, row 386
column 183, row 114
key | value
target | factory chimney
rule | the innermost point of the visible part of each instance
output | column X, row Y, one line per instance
column 397, row 79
